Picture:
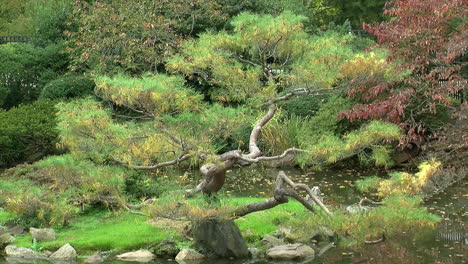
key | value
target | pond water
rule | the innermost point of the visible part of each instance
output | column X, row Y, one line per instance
column 447, row 244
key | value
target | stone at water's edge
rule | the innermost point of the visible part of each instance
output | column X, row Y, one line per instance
column 220, row 237
column 67, row 252
column 42, row 234
column 189, row 254
column 6, row 239
column 96, row 258
column 19, row 252
column 290, row 251
column 137, row 256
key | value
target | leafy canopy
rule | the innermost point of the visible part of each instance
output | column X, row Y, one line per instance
column 265, row 55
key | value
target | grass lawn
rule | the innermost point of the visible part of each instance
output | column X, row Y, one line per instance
column 103, row 230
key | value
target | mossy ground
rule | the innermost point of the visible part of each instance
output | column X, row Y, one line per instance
column 105, row 230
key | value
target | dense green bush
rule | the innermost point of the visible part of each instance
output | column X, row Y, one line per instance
column 56, row 189
column 25, row 69
column 68, row 86
column 27, row 132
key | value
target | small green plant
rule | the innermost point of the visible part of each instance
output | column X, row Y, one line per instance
column 68, row 86
column 35, row 246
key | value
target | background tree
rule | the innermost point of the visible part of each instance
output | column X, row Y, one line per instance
column 429, row 38
column 137, row 36
column 264, row 61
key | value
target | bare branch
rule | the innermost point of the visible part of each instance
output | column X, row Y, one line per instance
column 305, row 188
column 134, row 212
column 280, row 197
column 278, row 157
column 156, row 166
column 253, row 148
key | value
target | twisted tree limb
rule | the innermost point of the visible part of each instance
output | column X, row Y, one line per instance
column 280, row 196
column 155, row 166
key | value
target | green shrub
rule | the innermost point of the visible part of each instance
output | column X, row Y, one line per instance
column 303, row 106
column 58, row 188
column 25, row 69
column 140, row 186
column 68, row 86
column 27, row 132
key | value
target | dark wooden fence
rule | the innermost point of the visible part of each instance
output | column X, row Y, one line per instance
column 9, row 39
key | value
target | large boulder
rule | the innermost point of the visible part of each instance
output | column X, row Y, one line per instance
column 141, row 255
column 5, row 240
column 290, row 252
column 20, row 252
column 221, row 238
column 42, row 234
column 189, row 254
column 66, row 252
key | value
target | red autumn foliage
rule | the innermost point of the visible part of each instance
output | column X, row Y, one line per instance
column 428, row 37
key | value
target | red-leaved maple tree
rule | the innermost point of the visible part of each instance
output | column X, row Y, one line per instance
column 427, row 37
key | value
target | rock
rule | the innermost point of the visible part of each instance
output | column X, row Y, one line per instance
column 271, row 241
column 317, row 193
column 66, row 252
column 15, row 230
column 141, row 255
column 20, row 252
column 354, row 208
column 290, row 251
column 220, row 237
column 42, row 234
column 255, row 253
column 189, row 254
column 6, row 239
column 96, row 258
column 166, row 248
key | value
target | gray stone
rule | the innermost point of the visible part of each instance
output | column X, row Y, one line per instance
column 6, row 239
column 42, row 234
column 20, row 252
column 317, row 193
column 355, row 208
column 221, row 238
column 141, row 255
column 290, row 252
column 255, row 253
column 189, row 254
column 66, row 252
column 271, row 241
column 14, row 230
column 96, row 258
